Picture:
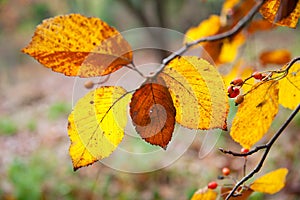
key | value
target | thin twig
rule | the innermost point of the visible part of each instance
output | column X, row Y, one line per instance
column 239, row 26
column 264, row 156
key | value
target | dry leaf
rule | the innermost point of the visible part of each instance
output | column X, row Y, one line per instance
column 96, row 125
column 243, row 196
column 255, row 114
column 270, row 183
column 198, row 93
column 153, row 112
column 76, row 45
column 283, row 13
column 289, row 88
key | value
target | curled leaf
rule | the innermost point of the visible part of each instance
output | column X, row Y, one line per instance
column 76, row 45
column 153, row 112
column 205, row 194
column 96, row 125
column 198, row 93
column 255, row 114
column 289, row 88
column 270, row 183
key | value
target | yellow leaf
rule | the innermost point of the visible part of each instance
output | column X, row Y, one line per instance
column 283, row 13
column 204, row 194
column 230, row 48
column 229, row 5
column 79, row 46
column 278, row 56
column 198, row 93
column 96, row 125
column 270, row 183
column 205, row 28
column 289, row 88
column 255, row 114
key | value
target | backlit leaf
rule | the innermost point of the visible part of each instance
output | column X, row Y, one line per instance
column 289, row 88
column 255, row 114
column 242, row 196
column 283, row 13
column 270, row 183
column 205, row 194
column 153, row 112
column 96, row 125
column 198, row 93
column 279, row 57
column 76, row 45
column 205, row 28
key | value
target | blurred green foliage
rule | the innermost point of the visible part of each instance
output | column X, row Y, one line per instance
column 59, row 109
column 8, row 126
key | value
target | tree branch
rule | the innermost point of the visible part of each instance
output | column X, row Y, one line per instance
column 239, row 26
column 267, row 147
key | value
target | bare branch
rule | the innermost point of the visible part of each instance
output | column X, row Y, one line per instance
column 264, row 156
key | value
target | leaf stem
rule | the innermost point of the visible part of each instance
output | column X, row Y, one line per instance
column 264, row 156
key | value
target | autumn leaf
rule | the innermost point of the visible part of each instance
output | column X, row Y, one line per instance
column 198, row 93
column 289, row 88
column 278, row 57
column 246, row 192
column 153, row 113
column 259, row 25
column 255, row 114
column 76, row 45
column 283, row 13
column 270, row 183
column 207, row 27
column 96, row 125
column 204, row 194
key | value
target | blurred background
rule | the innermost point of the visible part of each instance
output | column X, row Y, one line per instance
column 35, row 103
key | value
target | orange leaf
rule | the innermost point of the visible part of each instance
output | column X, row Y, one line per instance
column 76, row 45
column 255, row 114
column 283, row 13
column 198, row 93
column 153, row 112
column 270, row 183
column 259, row 25
column 279, row 57
column 204, row 194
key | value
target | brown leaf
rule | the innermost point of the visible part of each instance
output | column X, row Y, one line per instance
column 243, row 196
column 153, row 113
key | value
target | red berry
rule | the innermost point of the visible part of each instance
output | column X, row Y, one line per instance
column 237, row 82
column 257, row 75
column 225, row 171
column 212, row 185
column 233, row 92
column 244, row 150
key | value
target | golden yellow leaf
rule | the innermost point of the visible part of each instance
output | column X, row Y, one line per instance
column 230, row 48
column 270, row 183
column 76, row 45
column 96, row 125
column 283, row 13
column 228, row 5
column 278, row 57
column 198, row 93
column 205, row 194
column 255, row 114
column 289, row 88
column 205, row 28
